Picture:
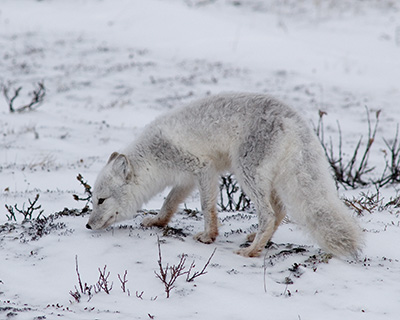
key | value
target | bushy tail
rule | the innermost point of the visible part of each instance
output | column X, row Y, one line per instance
column 309, row 194
column 328, row 221
column 335, row 230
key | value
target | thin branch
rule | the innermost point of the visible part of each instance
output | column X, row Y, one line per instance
column 352, row 173
column 27, row 213
column 139, row 295
column 84, row 288
column 198, row 273
column 88, row 192
column 77, row 272
column 168, row 275
column 9, row 100
column 103, row 283
column 123, row 281
column 37, row 99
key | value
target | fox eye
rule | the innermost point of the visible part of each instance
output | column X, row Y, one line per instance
column 101, row 200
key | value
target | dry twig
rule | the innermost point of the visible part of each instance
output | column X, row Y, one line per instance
column 228, row 189
column 27, row 213
column 88, row 192
column 37, row 98
column 84, row 289
column 123, row 281
column 352, row 173
column 103, row 283
column 198, row 273
column 169, row 274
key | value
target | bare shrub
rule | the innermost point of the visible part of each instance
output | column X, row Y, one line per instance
column 232, row 197
column 103, row 284
column 84, row 288
column 38, row 95
column 365, row 203
column 169, row 274
column 354, row 173
column 27, row 213
column 87, row 191
column 124, row 281
column 190, row 278
column 351, row 173
column 391, row 173
column 370, row 202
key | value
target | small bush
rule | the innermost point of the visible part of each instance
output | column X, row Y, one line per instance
column 232, row 197
column 355, row 172
column 27, row 213
column 169, row 274
column 37, row 94
column 87, row 191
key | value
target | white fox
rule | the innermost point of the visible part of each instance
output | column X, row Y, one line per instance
column 274, row 155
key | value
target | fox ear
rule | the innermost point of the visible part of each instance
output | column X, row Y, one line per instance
column 122, row 166
column 113, row 156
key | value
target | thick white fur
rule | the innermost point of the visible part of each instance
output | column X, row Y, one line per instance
column 275, row 156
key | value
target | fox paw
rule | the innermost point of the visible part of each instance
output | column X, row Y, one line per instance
column 248, row 253
column 205, row 237
column 152, row 222
column 251, row 237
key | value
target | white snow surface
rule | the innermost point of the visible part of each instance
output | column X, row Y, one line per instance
column 109, row 68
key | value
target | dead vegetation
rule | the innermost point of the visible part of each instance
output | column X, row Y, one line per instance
column 231, row 196
column 103, row 284
column 169, row 274
column 37, row 99
column 370, row 202
column 356, row 172
column 87, row 191
column 27, row 213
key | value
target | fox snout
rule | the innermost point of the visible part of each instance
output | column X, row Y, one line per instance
column 101, row 221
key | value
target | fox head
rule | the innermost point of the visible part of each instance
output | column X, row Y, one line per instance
column 113, row 193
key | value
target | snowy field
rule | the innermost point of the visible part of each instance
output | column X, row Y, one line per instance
column 109, row 68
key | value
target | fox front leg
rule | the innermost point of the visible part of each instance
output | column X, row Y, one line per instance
column 175, row 197
column 208, row 187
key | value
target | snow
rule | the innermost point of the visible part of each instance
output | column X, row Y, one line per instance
column 109, row 68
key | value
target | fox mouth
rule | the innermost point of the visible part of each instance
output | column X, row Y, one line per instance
column 106, row 224
column 109, row 222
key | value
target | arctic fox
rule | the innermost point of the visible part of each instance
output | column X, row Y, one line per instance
column 274, row 155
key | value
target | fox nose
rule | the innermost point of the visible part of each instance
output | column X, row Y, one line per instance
column 88, row 226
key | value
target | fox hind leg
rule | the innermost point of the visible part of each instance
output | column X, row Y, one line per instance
column 277, row 206
column 280, row 213
column 260, row 194
column 266, row 227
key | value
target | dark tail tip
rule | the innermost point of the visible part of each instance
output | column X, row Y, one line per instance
column 88, row 226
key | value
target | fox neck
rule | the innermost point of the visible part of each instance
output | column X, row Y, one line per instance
column 148, row 180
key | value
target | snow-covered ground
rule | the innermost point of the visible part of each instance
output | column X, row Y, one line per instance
column 110, row 67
